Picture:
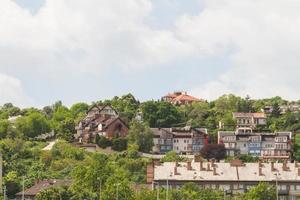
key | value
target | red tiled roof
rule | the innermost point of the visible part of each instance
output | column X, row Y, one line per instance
column 185, row 97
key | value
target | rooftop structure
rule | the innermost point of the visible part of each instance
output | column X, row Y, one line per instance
column 250, row 119
column 102, row 121
column 235, row 176
column 180, row 139
column 180, row 98
column 276, row 145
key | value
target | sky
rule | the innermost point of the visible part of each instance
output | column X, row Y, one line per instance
column 84, row 51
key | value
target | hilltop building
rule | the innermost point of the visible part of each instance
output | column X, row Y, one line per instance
column 275, row 145
column 250, row 119
column 232, row 178
column 180, row 98
column 184, row 140
column 102, row 121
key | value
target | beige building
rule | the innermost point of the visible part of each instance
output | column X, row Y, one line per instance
column 275, row 145
column 235, row 177
column 250, row 119
column 182, row 140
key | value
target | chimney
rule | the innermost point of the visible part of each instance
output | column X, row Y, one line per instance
column 189, row 165
column 260, row 171
column 150, row 173
column 215, row 171
column 260, row 164
column 208, row 167
column 296, row 164
column 272, row 167
column 284, row 166
column 298, row 171
column 212, row 162
column 201, row 166
column 175, row 171
column 176, row 164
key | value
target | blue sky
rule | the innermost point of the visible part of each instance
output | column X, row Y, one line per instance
column 73, row 50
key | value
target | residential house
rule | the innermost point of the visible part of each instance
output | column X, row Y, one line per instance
column 180, row 98
column 102, row 121
column 250, row 119
column 264, row 145
column 184, row 140
column 294, row 108
column 31, row 192
column 232, row 178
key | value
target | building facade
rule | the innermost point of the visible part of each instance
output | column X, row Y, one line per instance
column 232, row 178
column 264, row 145
column 250, row 119
column 180, row 98
column 102, row 121
column 185, row 140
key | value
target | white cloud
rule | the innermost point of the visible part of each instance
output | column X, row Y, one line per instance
column 261, row 39
column 11, row 91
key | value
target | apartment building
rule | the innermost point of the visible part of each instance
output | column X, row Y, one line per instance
column 276, row 145
column 102, row 121
column 184, row 140
column 232, row 178
column 250, row 119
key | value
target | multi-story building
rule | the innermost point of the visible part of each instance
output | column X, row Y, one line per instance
column 250, row 119
column 231, row 178
column 183, row 140
column 102, row 121
column 265, row 145
column 180, row 98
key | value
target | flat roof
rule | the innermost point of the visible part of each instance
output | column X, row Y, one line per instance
column 226, row 172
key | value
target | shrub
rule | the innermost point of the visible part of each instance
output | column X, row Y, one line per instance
column 103, row 142
column 119, row 144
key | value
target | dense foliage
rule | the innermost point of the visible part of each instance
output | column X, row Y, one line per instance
column 119, row 172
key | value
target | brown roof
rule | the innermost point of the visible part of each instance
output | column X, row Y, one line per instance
column 44, row 184
column 255, row 115
column 185, row 97
column 101, row 107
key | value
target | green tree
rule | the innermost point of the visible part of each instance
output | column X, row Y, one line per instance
column 262, row 191
column 126, row 106
column 78, row 108
column 141, row 135
column 4, row 128
column 63, row 122
column 160, row 114
column 119, row 144
column 103, row 142
column 172, row 156
column 32, row 125
column 118, row 187
column 54, row 193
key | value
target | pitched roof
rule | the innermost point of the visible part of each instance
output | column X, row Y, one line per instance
column 185, row 97
column 44, row 184
column 101, row 107
column 255, row 115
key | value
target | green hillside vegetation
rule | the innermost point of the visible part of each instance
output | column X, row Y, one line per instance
column 23, row 155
